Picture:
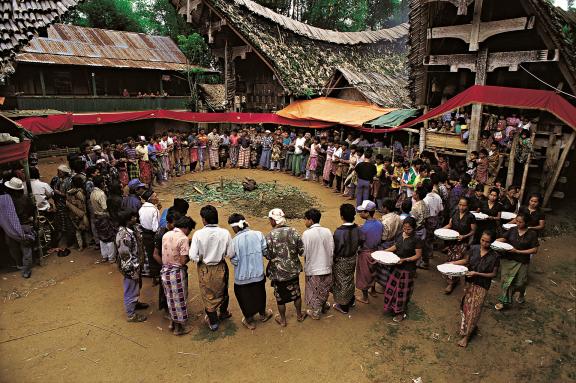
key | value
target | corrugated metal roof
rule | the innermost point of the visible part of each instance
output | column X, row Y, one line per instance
column 73, row 45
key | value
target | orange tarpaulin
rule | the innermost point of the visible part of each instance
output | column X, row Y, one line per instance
column 345, row 112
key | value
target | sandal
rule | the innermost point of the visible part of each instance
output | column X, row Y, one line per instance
column 137, row 318
column 499, row 306
column 520, row 299
column 181, row 330
column 302, row 318
column 311, row 314
column 399, row 318
column 247, row 324
column 267, row 316
column 279, row 320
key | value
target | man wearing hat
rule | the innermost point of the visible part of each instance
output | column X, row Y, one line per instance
column 20, row 249
column 284, row 246
column 133, row 201
column 96, row 154
column 372, row 234
column 267, row 142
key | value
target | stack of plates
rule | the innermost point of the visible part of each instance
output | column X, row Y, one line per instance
column 385, row 257
column 509, row 226
column 479, row 216
column 507, row 215
column 446, row 234
column 501, row 246
column 452, row 270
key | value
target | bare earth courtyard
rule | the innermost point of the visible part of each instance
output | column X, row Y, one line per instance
column 90, row 340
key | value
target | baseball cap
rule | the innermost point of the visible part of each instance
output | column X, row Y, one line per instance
column 367, row 205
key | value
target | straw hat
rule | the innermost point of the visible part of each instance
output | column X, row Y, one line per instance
column 14, row 184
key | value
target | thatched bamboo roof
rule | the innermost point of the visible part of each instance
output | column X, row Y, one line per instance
column 21, row 20
column 303, row 57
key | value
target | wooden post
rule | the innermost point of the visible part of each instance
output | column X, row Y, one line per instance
column 94, row 93
column 512, row 161
column 526, row 167
column 558, row 169
column 476, row 115
column 161, row 85
column 42, row 83
column 422, row 142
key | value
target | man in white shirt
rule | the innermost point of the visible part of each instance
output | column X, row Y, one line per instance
column 436, row 207
column 40, row 190
column 149, row 216
column 297, row 160
column 318, row 254
column 208, row 248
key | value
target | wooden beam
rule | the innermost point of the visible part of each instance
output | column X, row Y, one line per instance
column 552, row 154
column 495, row 59
column 558, row 170
column 474, row 34
column 476, row 115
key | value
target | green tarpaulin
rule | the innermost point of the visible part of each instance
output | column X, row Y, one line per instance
column 394, row 118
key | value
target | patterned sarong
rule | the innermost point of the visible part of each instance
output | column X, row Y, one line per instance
column 244, row 157
column 175, row 283
column 214, row 157
column 365, row 269
column 398, row 291
column 104, row 228
column 234, row 150
column 312, row 163
column 455, row 252
column 193, row 155
column 213, row 280
column 286, row 291
column 317, row 290
column 343, row 279
column 514, row 277
column 133, row 171
column 145, row 172
column 471, row 307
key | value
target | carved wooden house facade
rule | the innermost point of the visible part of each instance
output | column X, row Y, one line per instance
column 269, row 59
column 520, row 43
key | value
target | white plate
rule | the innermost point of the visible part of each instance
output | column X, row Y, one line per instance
column 507, row 215
column 452, row 270
column 509, row 226
column 501, row 246
column 447, row 234
column 385, row 257
column 479, row 216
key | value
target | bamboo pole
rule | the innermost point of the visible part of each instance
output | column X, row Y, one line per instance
column 558, row 169
column 511, row 161
column 527, row 167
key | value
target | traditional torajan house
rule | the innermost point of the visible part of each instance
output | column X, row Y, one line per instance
column 78, row 69
column 271, row 59
column 526, row 44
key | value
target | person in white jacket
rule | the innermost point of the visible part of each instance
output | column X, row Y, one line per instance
column 318, row 254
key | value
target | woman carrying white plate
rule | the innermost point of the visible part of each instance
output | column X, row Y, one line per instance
column 465, row 224
column 400, row 283
column 514, row 263
column 482, row 263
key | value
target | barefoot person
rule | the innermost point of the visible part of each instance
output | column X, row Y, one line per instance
column 284, row 246
column 347, row 241
column 400, row 283
column 246, row 254
column 365, row 265
column 482, row 265
column 209, row 247
column 130, row 263
column 514, row 263
column 318, row 252
column 174, row 272
column 465, row 224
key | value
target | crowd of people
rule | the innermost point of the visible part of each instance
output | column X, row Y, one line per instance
column 105, row 195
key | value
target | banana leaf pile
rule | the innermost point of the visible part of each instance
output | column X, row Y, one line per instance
column 257, row 203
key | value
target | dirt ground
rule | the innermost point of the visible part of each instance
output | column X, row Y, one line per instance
column 66, row 324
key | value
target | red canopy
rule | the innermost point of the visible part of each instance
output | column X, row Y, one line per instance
column 500, row 96
column 62, row 122
column 14, row 152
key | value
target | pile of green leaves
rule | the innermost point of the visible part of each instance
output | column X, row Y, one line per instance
column 256, row 203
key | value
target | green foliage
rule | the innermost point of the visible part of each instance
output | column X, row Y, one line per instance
column 106, row 14
column 195, row 49
column 159, row 17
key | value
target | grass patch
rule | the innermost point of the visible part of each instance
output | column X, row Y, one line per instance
column 205, row 334
column 415, row 312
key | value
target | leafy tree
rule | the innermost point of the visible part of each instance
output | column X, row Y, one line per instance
column 106, row 14
column 159, row 17
column 195, row 49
